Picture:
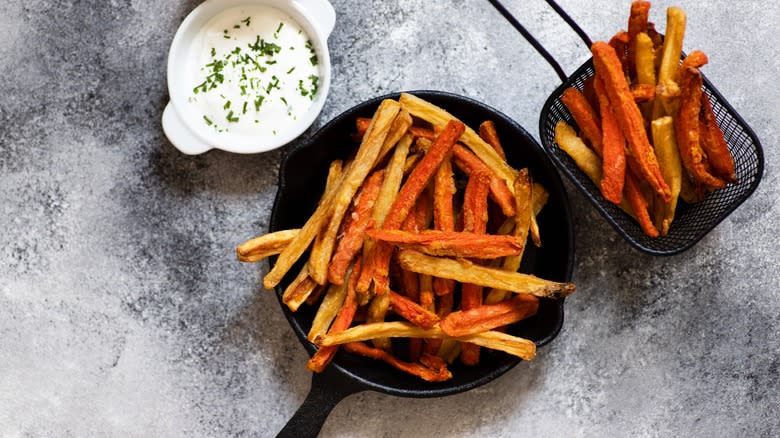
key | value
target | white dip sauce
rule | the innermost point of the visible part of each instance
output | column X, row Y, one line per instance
column 253, row 72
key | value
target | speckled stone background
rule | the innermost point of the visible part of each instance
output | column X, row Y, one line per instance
column 124, row 313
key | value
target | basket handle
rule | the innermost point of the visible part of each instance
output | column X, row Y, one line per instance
column 538, row 46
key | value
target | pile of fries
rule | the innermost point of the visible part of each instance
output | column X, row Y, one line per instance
column 394, row 246
column 647, row 132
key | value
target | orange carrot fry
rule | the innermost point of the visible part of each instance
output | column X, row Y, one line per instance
column 419, row 132
column 451, row 243
column 619, row 43
column 714, row 144
column 361, row 125
column 614, row 158
column 585, row 116
column 687, row 130
column 487, row 130
column 695, row 59
column 411, row 311
column 443, row 215
column 343, row 320
column 432, row 369
column 475, row 221
column 638, row 204
column 643, row 92
column 443, row 308
column 499, row 191
column 489, row 316
column 628, row 117
column 408, row 195
column 637, row 23
column 354, row 233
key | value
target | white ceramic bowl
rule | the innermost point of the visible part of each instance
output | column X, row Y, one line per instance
column 185, row 128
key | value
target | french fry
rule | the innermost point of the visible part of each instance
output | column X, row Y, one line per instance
column 585, row 116
column 671, row 167
column 522, row 221
column 357, row 171
column 299, row 290
column 513, row 345
column 467, row 272
column 411, row 311
column 487, row 132
column 645, row 59
column 400, row 127
column 380, row 130
column 361, row 125
column 439, row 117
column 643, row 92
column 407, row 197
column 668, row 90
column 714, row 144
column 264, row 246
column 354, row 232
column 316, row 295
column 420, row 132
column 432, row 369
column 499, row 191
column 489, row 316
column 329, row 308
column 451, row 243
column 614, row 158
column 586, row 159
column 628, row 116
column 343, row 320
column 619, row 42
column 637, row 23
column 443, row 215
column 540, row 196
column 377, row 310
column 687, row 131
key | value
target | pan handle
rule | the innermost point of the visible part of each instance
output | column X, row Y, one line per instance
column 536, row 45
column 327, row 390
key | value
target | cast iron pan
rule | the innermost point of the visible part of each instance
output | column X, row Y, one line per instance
column 692, row 221
column 301, row 181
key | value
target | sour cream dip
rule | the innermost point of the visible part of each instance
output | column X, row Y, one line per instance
column 252, row 72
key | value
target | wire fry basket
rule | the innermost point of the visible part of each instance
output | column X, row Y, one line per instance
column 692, row 221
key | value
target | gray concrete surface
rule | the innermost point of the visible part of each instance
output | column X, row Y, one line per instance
column 124, row 313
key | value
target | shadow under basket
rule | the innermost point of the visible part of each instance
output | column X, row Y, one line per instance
column 692, row 221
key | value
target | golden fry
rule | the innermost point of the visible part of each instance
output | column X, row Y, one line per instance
column 266, row 245
column 586, row 159
column 671, row 167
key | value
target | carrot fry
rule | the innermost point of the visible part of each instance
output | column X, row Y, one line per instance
column 487, row 131
column 628, row 116
column 264, row 246
column 411, row 311
column 586, row 118
column 638, row 204
column 489, row 316
column 361, row 125
column 687, row 130
column 299, row 290
column 433, row 369
column 614, row 158
column 714, row 144
column 426, row 133
column 324, row 355
column 499, row 191
column 407, row 197
column 451, row 243
column 443, row 215
column 637, row 23
column 359, row 220
column 643, row 92
column 619, row 42
column 357, row 171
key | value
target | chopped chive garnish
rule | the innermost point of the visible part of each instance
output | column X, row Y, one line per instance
column 290, row 70
column 247, row 20
column 208, row 121
column 243, row 111
column 227, row 105
column 283, row 100
column 259, row 102
column 230, row 117
column 213, row 52
column 313, row 60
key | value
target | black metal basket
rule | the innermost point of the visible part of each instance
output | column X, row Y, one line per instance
column 692, row 221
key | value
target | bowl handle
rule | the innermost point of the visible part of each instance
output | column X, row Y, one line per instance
column 179, row 134
column 327, row 390
column 323, row 13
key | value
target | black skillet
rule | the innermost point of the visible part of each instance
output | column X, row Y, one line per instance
column 692, row 221
column 301, row 180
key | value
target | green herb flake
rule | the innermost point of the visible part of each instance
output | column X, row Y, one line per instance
column 213, row 52
column 259, row 102
column 290, row 70
column 247, row 21
column 284, row 100
column 227, row 105
column 236, row 26
column 208, row 121
column 314, row 60
column 230, row 118
column 243, row 111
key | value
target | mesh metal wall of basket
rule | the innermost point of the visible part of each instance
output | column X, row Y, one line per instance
column 692, row 221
